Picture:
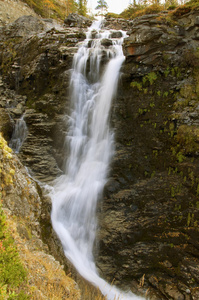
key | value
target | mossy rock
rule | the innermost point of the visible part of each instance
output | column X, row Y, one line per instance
column 188, row 139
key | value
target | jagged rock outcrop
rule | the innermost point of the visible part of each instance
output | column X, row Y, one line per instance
column 154, row 36
column 148, row 218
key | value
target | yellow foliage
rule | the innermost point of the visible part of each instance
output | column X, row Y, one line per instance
column 52, row 8
column 6, row 151
column 7, row 170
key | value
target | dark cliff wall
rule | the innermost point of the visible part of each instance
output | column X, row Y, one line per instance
column 148, row 218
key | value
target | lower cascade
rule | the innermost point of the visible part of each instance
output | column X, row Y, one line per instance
column 90, row 144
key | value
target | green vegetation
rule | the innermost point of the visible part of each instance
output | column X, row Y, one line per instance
column 102, row 6
column 60, row 9
column 13, row 273
column 45, row 280
column 5, row 174
column 136, row 10
column 112, row 15
column 150, row 77
column 137, row 85
column 82, row 7
column 147, row 80
column 48, row 8
column 188, row 139
column 151, row 7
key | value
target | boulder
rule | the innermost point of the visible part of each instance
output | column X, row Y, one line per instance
column 106, row 42
column 116, row 34
column 75, row 20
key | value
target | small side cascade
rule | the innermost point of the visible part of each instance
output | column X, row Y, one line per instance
column 90, row 144
column 19, row 135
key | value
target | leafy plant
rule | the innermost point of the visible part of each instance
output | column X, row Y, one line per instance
column 151, row 77
column 137, row 85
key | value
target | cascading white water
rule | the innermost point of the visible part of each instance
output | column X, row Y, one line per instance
column 75, row 194
column 19, row 134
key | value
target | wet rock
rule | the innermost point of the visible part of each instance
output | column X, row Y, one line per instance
column 116, row 34
column 106, row 42
column 94, row 34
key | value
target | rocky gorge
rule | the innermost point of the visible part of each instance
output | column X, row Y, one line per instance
column 147, row 238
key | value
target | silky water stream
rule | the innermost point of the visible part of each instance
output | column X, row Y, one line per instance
column 90, row 146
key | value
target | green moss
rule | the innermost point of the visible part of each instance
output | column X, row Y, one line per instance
column 137, row 85
column 150, row 77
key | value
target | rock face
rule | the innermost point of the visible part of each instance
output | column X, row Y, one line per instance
column 36, row 61
column 117, row 24
column 23, row 206
column 11, row 10
column 148, row 218
column 75, row 20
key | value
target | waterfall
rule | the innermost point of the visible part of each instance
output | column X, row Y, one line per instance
column 19, row 135
column 90, row 146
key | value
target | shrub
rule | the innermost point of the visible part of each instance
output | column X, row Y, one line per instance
column 181, row 10
column 112, row 15
column 139, row 10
